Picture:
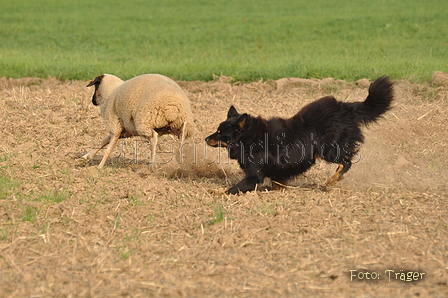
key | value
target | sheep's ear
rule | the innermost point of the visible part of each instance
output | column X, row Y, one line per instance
column 242, row 122
column 232, row 112
column 96, row 81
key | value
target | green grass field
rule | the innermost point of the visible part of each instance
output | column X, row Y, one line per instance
column 246, row 39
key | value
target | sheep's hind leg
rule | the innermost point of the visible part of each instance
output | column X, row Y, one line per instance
column 182, row 135
column 112, row 143
column 153, row 146
column 179, row 156
column 89, row 155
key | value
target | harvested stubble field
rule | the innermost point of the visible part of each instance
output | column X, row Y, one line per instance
column 68, row 229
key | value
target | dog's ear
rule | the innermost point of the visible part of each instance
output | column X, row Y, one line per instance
column 232, row 112
column 96, row 81
column 242, row 122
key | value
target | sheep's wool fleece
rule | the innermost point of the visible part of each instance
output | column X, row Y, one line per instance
column 147, row 102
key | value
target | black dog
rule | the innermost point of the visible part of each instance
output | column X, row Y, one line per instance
column 282, row 148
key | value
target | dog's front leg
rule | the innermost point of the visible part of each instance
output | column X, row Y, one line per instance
column 253, row 177
column 244, row 185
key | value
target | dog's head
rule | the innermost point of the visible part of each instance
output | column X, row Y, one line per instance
column 104, row 84
column 228, row 131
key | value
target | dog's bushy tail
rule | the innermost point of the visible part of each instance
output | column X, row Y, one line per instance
column 377, row 102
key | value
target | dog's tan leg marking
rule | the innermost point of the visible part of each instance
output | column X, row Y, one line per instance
column 336, row 176
column 153, row 146
column 91, row 154
column 112, row 143
column 277, row 185
column 220, row 192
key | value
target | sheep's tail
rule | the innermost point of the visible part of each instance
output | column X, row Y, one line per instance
column 179, row 119
column 171, row 113
column 377, row 102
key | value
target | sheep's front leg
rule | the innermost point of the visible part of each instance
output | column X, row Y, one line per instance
column 112, row 143
column 93, row 152
column 153, row 146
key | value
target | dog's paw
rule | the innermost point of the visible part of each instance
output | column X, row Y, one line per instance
column 75, row 155
column 324, row 188
column 219, row 192
column 87, row 156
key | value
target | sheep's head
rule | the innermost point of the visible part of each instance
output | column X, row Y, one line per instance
column 104, row 84
column 95, row 82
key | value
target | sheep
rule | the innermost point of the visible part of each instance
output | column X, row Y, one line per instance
column 147, row 105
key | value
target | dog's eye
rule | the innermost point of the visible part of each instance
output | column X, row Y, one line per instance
column 218, row 131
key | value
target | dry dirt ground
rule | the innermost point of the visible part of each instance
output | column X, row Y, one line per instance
column 132, row 229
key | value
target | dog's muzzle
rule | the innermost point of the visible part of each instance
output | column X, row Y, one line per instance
column 214, row 143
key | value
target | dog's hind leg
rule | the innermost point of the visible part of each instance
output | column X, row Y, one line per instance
column 279, row 184
column 340, row 171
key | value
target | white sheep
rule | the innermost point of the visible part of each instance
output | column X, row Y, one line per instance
column 147, row 105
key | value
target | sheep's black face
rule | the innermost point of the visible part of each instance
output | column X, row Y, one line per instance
column 94, row 99
column 95, row 82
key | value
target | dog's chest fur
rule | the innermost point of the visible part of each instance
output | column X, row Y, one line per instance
column 273, row 148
